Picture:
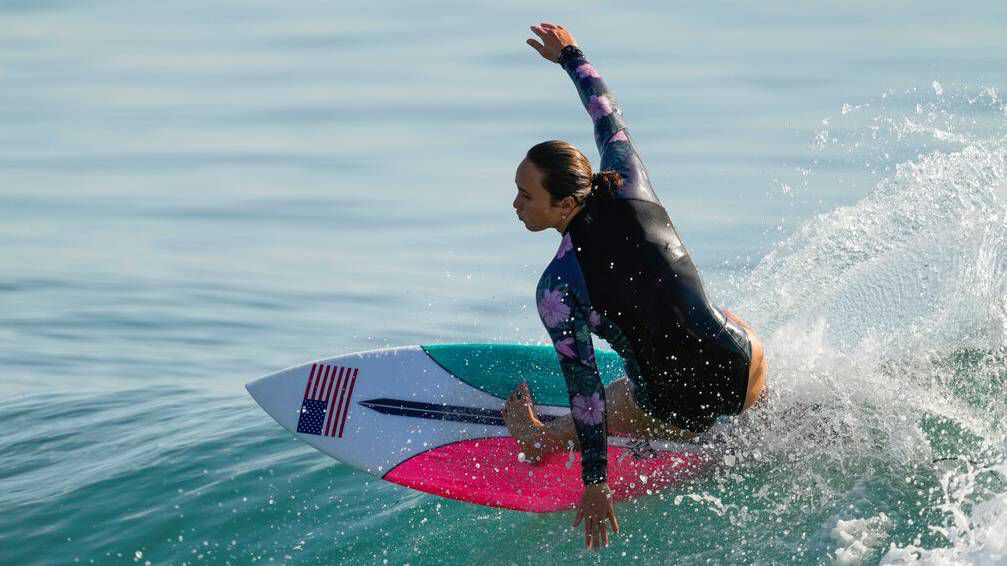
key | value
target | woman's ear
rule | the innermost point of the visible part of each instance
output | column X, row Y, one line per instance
column 569, row 204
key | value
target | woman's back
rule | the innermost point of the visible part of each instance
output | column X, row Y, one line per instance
column 639, row 276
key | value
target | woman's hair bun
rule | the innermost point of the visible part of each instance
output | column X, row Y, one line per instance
column 605, row 184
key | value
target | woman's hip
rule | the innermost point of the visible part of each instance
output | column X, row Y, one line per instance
column 758, row 367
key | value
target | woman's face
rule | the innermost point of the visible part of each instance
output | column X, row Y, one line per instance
column 533, row 203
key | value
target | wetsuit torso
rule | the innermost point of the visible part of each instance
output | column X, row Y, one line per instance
column 623, row 273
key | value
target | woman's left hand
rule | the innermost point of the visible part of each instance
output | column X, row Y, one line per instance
column 554, row 39
column 594, row 509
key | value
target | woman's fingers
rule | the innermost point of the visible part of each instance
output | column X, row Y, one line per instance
column 599, row 535
column 595, row 534
column 553, row 39
column 547, row 32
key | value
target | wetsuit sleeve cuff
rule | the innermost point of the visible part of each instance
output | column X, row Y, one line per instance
column 594, row 472
column 568, row 54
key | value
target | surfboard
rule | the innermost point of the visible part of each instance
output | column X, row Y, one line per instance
column 428, row 418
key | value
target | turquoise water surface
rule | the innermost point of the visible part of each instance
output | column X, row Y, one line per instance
column 197, row 194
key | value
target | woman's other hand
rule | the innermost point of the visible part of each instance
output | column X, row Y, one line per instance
column 554, row 39
column 594, row 509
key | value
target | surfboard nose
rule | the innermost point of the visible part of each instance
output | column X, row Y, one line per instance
column 255, row 389
column 279, row 394
column 261, row 390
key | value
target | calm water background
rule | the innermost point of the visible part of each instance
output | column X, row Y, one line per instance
column 196, row 194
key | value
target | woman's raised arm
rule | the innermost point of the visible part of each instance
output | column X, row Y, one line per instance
column 614, row 144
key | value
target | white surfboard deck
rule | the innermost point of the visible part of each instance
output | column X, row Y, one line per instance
column 428, row 417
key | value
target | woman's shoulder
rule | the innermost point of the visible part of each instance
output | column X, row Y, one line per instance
column 563, row 272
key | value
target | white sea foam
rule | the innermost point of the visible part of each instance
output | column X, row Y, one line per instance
column 977, row 534
column 860, row 309
column 858, row 538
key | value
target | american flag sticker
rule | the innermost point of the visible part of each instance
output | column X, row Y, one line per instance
column 327, row 400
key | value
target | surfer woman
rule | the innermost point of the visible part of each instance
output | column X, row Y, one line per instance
column 621, row 272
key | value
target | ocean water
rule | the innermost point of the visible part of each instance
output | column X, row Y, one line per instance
column 193, row 195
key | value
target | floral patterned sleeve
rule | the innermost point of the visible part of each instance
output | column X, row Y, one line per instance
column 565, row 310
column 618, row 152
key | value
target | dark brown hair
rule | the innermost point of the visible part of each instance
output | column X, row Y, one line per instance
column 567, row 173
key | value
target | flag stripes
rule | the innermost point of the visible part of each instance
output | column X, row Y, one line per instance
column 326, row 400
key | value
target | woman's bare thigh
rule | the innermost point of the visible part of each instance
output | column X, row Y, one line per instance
column 627, row 418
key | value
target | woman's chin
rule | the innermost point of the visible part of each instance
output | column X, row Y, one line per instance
column 531, row 227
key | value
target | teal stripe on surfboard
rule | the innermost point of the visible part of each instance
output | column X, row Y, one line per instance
column 497, row 368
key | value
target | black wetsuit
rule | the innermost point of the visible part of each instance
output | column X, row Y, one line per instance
column 623, row 273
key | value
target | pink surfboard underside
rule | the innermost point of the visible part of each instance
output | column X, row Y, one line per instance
column 487, row 471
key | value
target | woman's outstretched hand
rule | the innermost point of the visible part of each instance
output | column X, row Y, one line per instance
column 594, row 509
column 554, row 39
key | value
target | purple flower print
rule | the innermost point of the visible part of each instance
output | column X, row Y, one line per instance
column 564, row 246
column 618, row 136
column 565, row 348
column 588, row 410
column 586, row 70
column 593, row 319
column 552, row 309
column 599, row 107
